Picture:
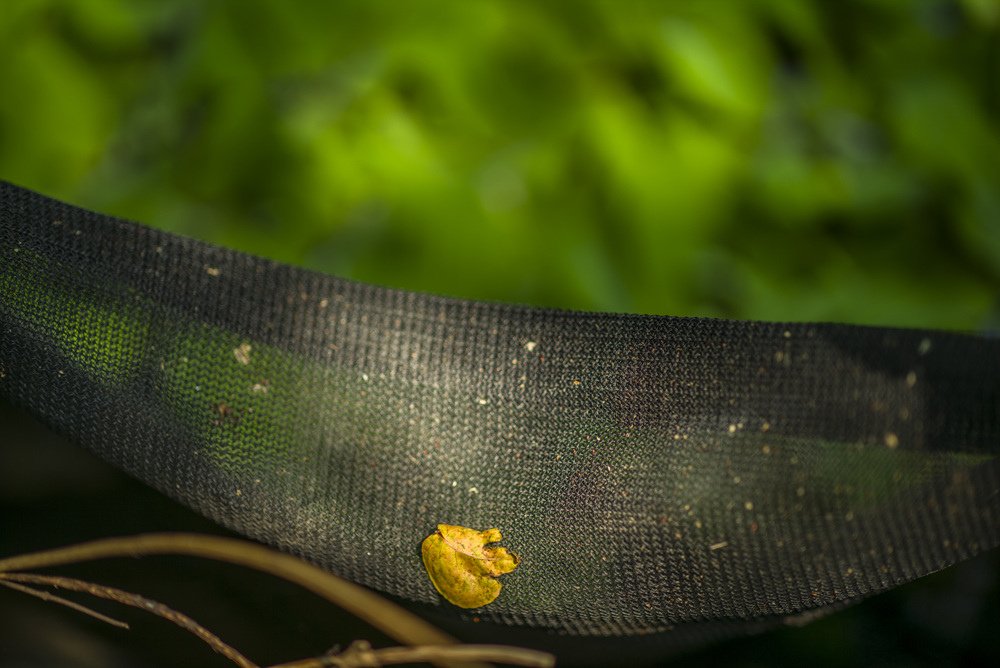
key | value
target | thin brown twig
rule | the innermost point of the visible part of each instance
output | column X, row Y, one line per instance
column 52, row 598
column 361, row 655
column 429, row 644
column 391, row 619
column 135, row 601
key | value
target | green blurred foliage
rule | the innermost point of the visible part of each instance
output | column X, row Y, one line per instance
column 771, row 159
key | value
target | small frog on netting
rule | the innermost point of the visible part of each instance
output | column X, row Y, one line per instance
column 462, row 568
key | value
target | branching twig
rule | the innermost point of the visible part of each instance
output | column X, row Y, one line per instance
column 361, row 655
column 136, row 601
column 431, row 645
column 52, row 598
column 384, row 615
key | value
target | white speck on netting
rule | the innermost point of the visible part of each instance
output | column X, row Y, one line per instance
column 364, row 377
column 213, row 271
column 530, row 346
column 718, row 546
column 787, row 334
column 323, row 303
column 242, row 353
column 454, row 483
column 748, row 505
column 924, row 347
column 473, row 490
column 481, row 401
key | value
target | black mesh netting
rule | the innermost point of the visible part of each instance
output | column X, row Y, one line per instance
column 653, row 473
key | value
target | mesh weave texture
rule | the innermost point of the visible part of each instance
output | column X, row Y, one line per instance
column 653, row 473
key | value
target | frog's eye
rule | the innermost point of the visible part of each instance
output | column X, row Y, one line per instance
column 462, row 568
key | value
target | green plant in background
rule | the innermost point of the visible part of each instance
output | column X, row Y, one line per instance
column 770, row 159
column 761, row 159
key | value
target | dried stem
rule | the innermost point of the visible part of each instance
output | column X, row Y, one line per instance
column 136, row 601
column 430, row 644
column 52, row 598
column 388, row 617
column 361, row 655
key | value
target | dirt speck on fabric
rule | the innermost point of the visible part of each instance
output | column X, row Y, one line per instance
column 225, row 414
column 242, row 353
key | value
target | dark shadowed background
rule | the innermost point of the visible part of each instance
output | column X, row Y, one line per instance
column 760, row 159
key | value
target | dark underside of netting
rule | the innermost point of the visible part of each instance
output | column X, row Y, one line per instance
column 680, row 477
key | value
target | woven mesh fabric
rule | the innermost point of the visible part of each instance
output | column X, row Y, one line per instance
column 653, row 473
